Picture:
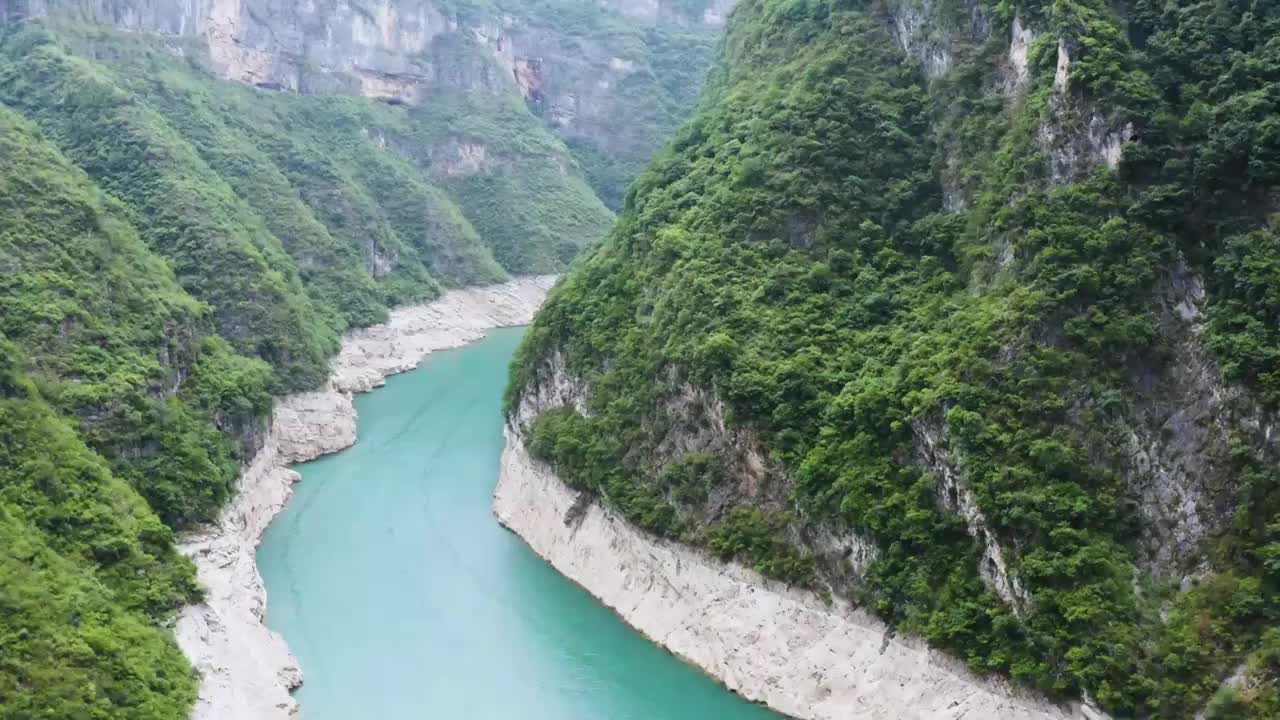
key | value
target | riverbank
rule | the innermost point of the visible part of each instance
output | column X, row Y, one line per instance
column 247, row 670
column 771, row 644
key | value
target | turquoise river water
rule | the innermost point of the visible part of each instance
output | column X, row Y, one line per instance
column 404, row 599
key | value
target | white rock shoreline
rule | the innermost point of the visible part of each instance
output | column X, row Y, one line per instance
column 771, row 644
column 247, row 670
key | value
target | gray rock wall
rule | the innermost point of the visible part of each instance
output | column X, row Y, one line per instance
column 580, row 74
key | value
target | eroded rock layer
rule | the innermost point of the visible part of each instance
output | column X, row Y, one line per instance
column 786, row 648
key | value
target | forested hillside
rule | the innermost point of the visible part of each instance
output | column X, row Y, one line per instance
column 191, row 216
column 97, row 329
column 965, row 312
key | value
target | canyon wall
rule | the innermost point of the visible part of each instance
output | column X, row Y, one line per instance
column 613, row 80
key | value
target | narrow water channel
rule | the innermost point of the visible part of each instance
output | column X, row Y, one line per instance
column 404, row 599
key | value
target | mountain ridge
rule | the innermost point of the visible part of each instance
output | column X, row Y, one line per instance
column 974, row 286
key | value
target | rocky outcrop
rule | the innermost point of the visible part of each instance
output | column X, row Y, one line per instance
column 1074, row 134
column 1178, row 442
column 458, row 159
column 928, row 34
column 1077, row 136
column 246, row 667
column 787, row 648
column 1020, row 41
column 955, row 496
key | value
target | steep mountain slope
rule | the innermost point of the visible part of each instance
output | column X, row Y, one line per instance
column 965, row 313
column 196, row 200
column 88, row 567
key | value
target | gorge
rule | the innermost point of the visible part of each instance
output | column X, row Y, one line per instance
column 247, row 670
column 199, row 200
column 922, row 362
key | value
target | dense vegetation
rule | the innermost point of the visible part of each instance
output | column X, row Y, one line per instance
column 887, row 278
column 88, row 569
column 177, row 250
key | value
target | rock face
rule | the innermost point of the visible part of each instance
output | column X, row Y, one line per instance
column 303, row 47
column 247, row 668
column 602, row 84
column 955, row 496
column 771, row 644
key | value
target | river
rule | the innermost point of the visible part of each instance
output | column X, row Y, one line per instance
column 404, row 599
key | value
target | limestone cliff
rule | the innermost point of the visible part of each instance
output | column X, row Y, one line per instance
column 612, row 80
